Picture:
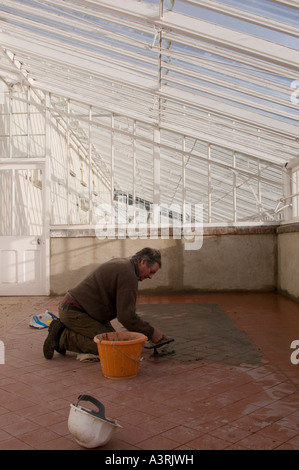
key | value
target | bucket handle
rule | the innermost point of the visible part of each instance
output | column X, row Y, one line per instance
column 127, row 356
column 101, row 409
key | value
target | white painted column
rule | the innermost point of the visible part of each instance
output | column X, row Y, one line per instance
column 47, row 194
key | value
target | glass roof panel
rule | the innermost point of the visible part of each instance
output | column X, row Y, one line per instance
column 217, row 80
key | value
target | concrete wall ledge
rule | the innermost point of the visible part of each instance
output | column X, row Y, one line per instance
column 240, row 230
column 77, row 232
column 288, row 228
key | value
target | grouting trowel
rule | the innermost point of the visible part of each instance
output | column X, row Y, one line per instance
column 156, row 347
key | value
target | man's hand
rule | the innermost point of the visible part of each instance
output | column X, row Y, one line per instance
column 157, row 336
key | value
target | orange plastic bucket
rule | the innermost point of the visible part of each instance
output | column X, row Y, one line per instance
column 120, row 353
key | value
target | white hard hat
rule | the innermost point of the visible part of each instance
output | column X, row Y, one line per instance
column 90, row 428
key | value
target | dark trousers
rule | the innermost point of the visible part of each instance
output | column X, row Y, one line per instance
column 80, row 331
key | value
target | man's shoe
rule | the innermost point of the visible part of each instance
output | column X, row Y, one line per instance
column 52, row 341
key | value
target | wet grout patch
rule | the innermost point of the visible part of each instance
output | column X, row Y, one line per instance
column 202, row 331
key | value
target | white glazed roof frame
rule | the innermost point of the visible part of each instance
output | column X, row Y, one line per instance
column 207, row 105
column 149, row 92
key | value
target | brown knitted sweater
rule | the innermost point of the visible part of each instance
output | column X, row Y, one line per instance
column 109, row 292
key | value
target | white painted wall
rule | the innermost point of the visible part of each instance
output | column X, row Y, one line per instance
column 226, row 262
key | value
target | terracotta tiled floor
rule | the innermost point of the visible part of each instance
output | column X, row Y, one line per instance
column 230, row 385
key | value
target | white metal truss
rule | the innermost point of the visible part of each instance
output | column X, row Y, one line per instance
column 196, row 98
